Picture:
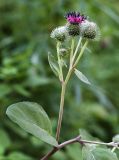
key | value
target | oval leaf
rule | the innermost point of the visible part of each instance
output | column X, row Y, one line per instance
column 32, row 118
column 85, row 135
column 116, row 138
column 104, row 154
column 87, row 154
column 81, row 76
column 97, row 153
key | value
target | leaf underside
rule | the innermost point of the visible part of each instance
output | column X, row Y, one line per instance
column 81, row 76
column 33, row 119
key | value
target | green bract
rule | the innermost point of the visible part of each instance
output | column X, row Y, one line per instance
column 73, row 30
column 89, row 30
column 60, row 33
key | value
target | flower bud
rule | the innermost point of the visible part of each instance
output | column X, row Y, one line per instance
column 72, row 29
column 63, row 52
column 60, row 33
column 89, row 30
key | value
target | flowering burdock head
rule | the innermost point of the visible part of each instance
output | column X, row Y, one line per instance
column 60, row 33
column 90, row 30
column 77, row 25
column 75, row 18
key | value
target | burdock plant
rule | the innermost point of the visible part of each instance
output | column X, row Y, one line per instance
column 31, row 116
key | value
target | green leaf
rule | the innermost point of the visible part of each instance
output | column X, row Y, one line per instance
column 33, row 119
column 97, row 153
column 21, row 90
column 85, row 135
column 19, row 156
column 116, row 138
column 6, row 89
column 87, row 154
column 53, row 64
column 4, row 141
column 36, row 142
column 74, row 151
column 104, row 154
column 81, row 76
column 59, row 155
column 16, row 129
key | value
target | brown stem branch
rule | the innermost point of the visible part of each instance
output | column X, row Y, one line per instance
column 82, row 142
column 60, row 146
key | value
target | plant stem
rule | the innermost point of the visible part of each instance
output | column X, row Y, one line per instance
column 61, row 111
column 64, row 84
column 78, row 45
column 48, row 155
column 75, row 140
column 113, row 149
column 72, row 50
column 59, row 62
column 95, row 142
column 60, row 146
column 81, row 53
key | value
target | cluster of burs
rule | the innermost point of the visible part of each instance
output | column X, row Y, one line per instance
column 77, row 25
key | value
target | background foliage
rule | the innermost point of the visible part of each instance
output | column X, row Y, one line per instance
column 25, row 74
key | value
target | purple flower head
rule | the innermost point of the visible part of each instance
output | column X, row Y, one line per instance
column 75, row 18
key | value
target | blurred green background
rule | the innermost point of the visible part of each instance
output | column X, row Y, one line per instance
column 25, row 27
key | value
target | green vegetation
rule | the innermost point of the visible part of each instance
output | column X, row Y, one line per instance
column 25, row 75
